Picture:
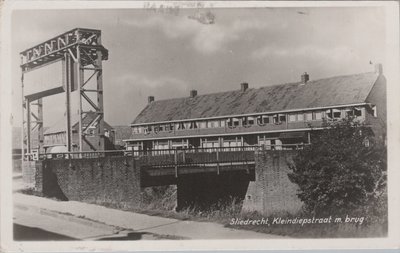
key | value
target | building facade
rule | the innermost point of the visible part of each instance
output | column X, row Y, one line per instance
column 278, row 117
column 55, row 136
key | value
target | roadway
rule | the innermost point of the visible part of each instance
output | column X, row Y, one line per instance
column 38, row 218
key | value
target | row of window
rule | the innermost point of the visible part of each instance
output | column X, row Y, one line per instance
column 328, row 114
column 246, row 121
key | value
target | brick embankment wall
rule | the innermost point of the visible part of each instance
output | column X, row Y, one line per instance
column 108, row 179
column 32, row 174
column 272, row 192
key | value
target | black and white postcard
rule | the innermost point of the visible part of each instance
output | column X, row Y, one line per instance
column 184, row 125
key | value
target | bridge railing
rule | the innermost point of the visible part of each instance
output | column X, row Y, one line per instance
column 198, row 156
column 162, row 157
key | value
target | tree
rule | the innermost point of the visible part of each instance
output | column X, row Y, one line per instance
column 343, row 170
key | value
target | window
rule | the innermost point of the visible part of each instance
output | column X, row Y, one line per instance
column 292, row 117
column 235, row 122
column 349, row 113
column 244, row 121
column 328, row 114
column 149, row 129
column 250, row 121
column 161, row 128
column 265, row 119
column 259, row 120
column 357, row 112
column 168, row 127
column 300, row 116
column 202, row 124
column 209, row 124
column 282, row 117
column 309, row 116
column 337, row 114
column 181, row 126
column 275, row 119
column 222, row 123
column 193, row 125
column 318, row 115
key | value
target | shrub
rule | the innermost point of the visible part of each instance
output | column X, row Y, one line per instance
column 343, row 170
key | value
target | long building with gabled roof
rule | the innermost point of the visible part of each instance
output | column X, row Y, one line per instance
column 273, row 116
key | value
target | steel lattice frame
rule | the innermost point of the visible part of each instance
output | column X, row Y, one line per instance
column 81, row 53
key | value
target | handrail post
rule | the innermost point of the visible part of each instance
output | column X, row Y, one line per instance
column 176, row 162
column 217, row 162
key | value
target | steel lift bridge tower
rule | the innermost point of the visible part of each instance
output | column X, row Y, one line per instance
column 81, row 54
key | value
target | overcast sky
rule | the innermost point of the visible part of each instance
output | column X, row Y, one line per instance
column 167, row 55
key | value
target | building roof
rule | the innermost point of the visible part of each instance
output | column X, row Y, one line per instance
column 122, row 133
column 338, row 90
column 59, row 126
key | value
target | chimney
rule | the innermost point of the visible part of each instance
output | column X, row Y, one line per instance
column 150, row 99
column 304, row 78
column 193, row 93
column 244, row 86
column 378, row 69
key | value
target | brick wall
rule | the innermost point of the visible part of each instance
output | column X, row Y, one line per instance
column 31, row 174
column 108, row 179
column 272, row 192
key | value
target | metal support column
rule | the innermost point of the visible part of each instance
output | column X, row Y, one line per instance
column 67, row 85
column 28, row 126
column 80, row 79
column 100, row 96
column 23, row 117
column 40, row 126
